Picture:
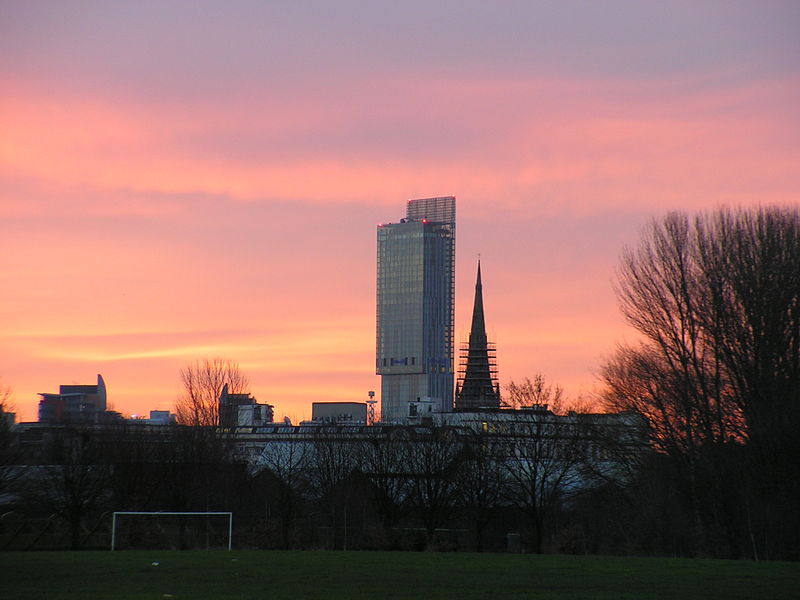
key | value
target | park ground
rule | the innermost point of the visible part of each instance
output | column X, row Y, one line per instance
column 297, row 575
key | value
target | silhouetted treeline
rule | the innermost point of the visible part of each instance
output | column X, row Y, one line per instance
column 541, row 484
column 328, row 487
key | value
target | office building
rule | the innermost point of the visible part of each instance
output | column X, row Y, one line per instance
column 74, row 404
column 242, row 410
column 161, row 417
column 415, row 310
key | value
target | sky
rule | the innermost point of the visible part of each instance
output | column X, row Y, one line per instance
column 189, row 180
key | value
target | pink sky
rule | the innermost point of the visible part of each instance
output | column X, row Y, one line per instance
column 181, row 180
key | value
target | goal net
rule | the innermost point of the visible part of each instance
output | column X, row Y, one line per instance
column 141, row 530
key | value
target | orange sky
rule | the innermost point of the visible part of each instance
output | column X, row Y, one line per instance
column 187, row 180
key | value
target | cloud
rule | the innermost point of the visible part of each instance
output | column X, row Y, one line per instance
column 519, row 141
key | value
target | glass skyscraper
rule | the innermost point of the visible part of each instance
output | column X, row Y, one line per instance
column 415, row 310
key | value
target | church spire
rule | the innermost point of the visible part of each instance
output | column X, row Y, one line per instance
column 478, row 389
column 478, row 331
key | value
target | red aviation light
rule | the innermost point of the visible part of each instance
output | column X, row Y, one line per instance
column 424, row 220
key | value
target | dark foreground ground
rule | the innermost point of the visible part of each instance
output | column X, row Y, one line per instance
column 377, row 575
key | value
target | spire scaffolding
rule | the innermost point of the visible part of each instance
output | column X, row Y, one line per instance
column 477, row 387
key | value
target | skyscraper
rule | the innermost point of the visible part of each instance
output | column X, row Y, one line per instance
column 415, row 309
column 478, row 387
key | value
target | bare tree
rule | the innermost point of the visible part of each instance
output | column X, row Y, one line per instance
column 332, row 460
column 284, row 465
column 9, row 451
column 663, row 294
column 750, row 261
column 202, row 383
column 384, row 462
column 434, row 459
column 5, row 397
column 481, row 483
column 541, row 453
column 537, row 392
column 717, row 302
column 332, row 467
column 640, row 380
column 75, row 484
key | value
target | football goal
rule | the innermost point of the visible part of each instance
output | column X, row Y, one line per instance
column 171, row 530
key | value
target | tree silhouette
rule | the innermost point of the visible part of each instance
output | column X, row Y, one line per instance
column 716, row 300
column 202, row 383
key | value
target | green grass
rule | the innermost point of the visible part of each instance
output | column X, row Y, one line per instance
column 377, row 575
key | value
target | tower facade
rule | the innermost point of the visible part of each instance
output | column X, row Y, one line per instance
column 478, row 388
column 415, row 309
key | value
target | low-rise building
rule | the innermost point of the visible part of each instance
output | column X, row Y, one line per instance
column 76, row 404
column 339, row 413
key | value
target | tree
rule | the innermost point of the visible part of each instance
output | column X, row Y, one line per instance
column 202, row 466
column 334, row 480
column 716, row 300
column 5, row 397
column 480, row 483
column 434, row 458
column 534, row 393
column 640, row 380
column 202, row 383
column 283, row 466
column 9, row 449
column 675, row 377
column 542, row 453
column 384, row 464
column 75, row 484
column 751, row 263
column 139, row 456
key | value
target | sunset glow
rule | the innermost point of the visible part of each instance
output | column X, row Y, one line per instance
column 191, row 180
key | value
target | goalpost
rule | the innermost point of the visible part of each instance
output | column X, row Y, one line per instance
column 169, row 513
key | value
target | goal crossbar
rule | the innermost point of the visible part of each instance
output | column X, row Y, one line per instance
column 166, row 512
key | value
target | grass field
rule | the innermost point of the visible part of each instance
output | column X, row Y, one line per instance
column 378, row 575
